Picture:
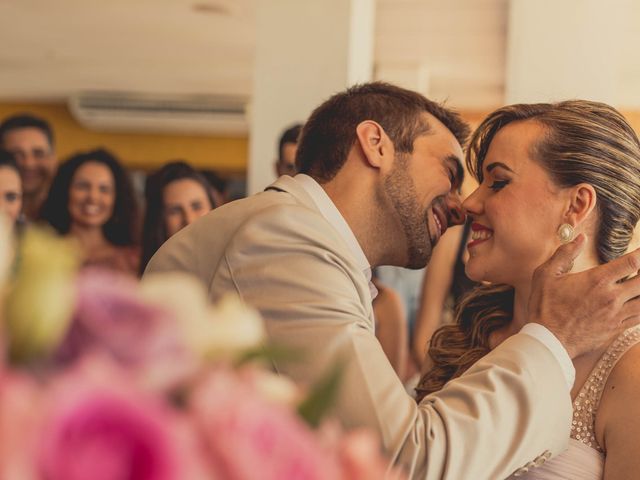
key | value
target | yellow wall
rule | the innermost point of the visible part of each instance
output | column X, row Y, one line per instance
column 139, row 151
column 149, row 151
column 633, row 117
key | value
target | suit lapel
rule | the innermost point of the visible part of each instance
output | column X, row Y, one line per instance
column 291, row 186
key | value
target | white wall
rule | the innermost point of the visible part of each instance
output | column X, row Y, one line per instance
column 306, row 51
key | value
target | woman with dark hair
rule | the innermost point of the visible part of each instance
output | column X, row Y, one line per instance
column 176, row 195
column 548, row 173
column 10, row 187
column 91, row 199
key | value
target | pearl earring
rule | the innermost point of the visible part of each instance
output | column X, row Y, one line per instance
column 565, row 233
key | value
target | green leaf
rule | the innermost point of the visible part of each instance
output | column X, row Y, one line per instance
column 322, row 396
column 270, row 353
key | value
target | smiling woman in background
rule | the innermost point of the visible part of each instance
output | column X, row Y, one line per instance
column 92, row 200
column 176, row 196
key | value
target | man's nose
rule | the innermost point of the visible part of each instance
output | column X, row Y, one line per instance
column 26, row 161
column 93, row 194
column 454, row 207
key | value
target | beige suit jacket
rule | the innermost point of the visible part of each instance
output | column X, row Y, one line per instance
column 275, row 250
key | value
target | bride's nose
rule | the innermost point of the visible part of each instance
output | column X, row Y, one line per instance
column 473, row 204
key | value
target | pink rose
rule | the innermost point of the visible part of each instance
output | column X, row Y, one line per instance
column 248, row 437
column 110, row 317
column 358, row 452
column 361, row 458
column 100, row 427
column 20, row 425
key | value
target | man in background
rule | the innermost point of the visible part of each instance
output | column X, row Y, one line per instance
column 287, row 147
column 30, row 139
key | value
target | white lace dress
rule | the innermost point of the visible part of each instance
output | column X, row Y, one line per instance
column 584, row 459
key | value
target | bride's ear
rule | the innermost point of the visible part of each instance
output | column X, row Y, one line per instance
column 582, row 201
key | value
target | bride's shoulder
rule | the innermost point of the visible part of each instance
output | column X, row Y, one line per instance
column 625, row 375
column 619, row 408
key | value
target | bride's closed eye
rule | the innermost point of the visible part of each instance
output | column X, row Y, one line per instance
column 498, row 185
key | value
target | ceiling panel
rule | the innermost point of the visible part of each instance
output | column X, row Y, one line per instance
column 453, row 49
column 173, row 47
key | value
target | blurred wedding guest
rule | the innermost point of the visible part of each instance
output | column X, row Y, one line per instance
column 176, row 195
column 287, row 147
column 391, row 327
column 91, row 199
column 10, row 187
column 218, row 185
column 30, row 139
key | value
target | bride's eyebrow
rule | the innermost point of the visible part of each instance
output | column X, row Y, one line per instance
column 494, row 165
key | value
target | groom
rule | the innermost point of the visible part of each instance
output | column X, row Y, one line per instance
column 380, row 170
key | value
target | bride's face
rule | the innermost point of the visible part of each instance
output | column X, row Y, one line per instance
column 515, row 211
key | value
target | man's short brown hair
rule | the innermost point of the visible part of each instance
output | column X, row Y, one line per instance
column 330, row 131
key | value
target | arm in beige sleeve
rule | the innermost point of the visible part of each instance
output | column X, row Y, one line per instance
column 509, row 408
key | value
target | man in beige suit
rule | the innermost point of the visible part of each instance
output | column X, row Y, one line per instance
column 380, row 167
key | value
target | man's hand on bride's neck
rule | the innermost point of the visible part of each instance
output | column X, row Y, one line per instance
column 585, row 260
column 584, row 309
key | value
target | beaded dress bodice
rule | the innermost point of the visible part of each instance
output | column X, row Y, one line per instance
column 587, row 401
column 584, row 458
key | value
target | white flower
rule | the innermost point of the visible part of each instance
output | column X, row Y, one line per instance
column 277, row 388
column 214, row 332
column 178, row 292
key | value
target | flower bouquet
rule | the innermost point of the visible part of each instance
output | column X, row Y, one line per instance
column 103, row 377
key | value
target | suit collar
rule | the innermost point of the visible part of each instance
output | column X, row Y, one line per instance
column 290, row 185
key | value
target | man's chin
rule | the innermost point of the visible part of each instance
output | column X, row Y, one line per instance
column 418, row 259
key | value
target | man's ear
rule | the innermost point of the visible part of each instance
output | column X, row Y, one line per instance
column 374, row 142
column 582, row 201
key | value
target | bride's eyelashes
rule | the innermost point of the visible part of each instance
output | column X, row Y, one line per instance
column 498, row 185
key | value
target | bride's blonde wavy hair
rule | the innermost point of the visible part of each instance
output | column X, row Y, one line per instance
column 583, row 142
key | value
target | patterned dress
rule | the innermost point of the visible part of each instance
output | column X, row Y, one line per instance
column 584, row 459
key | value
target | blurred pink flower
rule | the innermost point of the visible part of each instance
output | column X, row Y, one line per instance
column 248, row 437
column 20, row 418
column 361, row 458
column 358, row 452
column 111, row 317
column 98, row 426
column 126, row 394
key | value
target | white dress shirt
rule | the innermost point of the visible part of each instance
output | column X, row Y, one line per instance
column 332, row 215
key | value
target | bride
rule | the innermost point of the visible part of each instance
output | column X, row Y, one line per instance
column 547, row 173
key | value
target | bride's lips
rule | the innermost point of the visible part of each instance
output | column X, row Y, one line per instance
column 479, row 234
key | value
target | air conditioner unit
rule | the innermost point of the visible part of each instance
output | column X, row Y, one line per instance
column 134, row 112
